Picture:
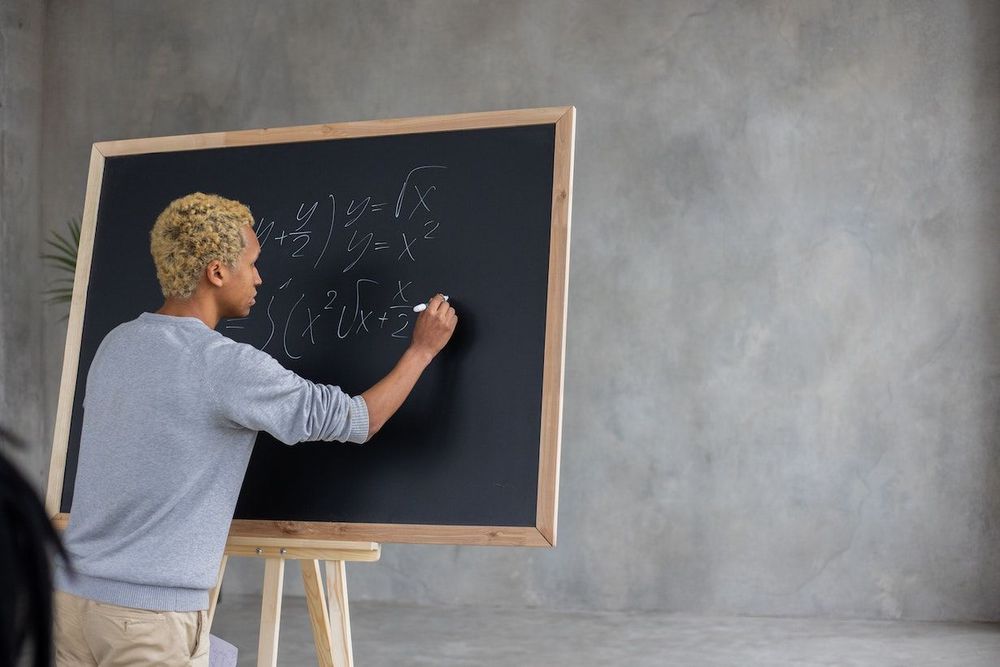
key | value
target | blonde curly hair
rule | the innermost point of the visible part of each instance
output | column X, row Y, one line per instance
column 191, row 232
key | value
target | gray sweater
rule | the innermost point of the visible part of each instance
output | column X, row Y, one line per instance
column 171, row 412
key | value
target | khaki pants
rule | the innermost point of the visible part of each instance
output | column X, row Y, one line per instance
column 106, row 635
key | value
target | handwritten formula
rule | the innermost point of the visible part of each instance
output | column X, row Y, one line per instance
column 345, row 265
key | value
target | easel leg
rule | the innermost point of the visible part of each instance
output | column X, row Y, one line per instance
column 270, row 612
column 328, row 610
column 340, row 615
column 213, row 596
column 319, row 617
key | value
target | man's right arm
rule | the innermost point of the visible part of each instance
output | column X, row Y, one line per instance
column 432, row 332
column 252, row 390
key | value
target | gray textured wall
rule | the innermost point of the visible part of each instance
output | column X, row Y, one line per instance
column 22, row 369
column 783, row 371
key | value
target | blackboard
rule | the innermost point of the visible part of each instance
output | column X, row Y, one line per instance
column 356, row 229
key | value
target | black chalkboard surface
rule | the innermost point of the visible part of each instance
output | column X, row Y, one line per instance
column 355, row 231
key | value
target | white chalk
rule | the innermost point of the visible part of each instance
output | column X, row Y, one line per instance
column 421, row 307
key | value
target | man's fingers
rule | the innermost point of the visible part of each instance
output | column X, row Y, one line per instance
column 436, row 302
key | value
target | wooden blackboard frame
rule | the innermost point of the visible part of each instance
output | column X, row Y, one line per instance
column 544, row 532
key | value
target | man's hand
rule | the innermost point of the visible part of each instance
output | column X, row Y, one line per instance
column 432, row 332
column 434, row 327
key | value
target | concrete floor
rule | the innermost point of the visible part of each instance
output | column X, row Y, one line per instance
column 400, row 635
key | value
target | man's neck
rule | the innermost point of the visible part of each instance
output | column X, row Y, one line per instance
column 193, row 307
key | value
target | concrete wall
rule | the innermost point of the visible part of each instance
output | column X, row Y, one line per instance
column 783, row 371
column 23, row 385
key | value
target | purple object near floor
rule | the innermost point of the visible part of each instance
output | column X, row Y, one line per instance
column 221, row 653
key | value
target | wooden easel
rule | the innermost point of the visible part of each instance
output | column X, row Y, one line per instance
column 330, row 618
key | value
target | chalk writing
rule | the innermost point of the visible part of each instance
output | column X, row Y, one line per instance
column 368, row 226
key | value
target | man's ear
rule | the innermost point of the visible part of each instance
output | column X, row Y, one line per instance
column 214, row 272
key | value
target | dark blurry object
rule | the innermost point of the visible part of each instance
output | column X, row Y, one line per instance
column 27, row 540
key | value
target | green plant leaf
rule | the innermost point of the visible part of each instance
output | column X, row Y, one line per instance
column 59, row 251
column 63, row 251
column 61, row 244
column 62, row 254
column 67, row 264
column 72, row 245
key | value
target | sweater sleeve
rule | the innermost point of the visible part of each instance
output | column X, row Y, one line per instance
column 252, row 390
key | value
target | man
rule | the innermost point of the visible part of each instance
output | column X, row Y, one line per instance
column 171, row 412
